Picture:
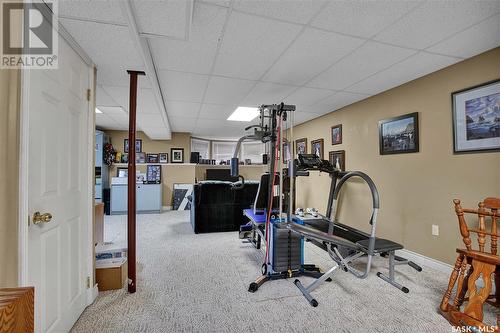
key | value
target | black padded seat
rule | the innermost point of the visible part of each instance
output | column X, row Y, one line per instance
column 381, row 245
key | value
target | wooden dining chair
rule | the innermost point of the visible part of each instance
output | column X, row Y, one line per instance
column 472, row 264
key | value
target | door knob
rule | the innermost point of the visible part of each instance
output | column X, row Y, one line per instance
column 41, row 218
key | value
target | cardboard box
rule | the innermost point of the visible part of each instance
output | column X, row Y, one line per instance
column 111, row 274
column 110, row 250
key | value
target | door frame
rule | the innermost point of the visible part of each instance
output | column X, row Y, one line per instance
column 88, row 211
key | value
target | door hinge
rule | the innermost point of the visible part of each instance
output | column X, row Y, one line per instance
column 88, row 282
column 88, row 94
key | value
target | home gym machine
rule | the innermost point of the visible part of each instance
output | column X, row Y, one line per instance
column 284, row 256
column 285, row 233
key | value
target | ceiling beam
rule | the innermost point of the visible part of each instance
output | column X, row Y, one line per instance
column 142, row 46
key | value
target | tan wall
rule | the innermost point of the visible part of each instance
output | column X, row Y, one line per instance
column 416, row 189
column 9, row 175
column 179, row 140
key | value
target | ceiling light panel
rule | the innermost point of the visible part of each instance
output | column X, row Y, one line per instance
column 243, row 113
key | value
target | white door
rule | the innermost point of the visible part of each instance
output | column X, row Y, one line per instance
column 58, row 182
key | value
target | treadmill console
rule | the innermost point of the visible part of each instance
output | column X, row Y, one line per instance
column 311, row 162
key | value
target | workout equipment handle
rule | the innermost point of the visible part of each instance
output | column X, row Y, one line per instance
column 367, row 179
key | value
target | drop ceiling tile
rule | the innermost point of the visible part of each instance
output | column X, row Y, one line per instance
column 477, row 39
column 216, row 111
column 304, row 97
column 302, row 117
column 182, row 124
column 267, row 93
column 409, row 69
column 436, row 20
column 251, row 45
column 110, row 75
column 103, row 99
column 365, row 61
column 223, row 3
column 363, row 18
column 196, row 55
column 157, row 133
column 166, row 18
column 288, row 10
column 146, row 102
column 104, row 11
column 300, row 63
column 337, row 101
column 118, row 94
column 227, row 91
column 182, row 109
column 103, row 120
column 110, row 47
column 109, row 110
column 187, row 87
column 149, row 120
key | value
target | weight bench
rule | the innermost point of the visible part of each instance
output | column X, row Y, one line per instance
column 383, row 247
column 345, row 244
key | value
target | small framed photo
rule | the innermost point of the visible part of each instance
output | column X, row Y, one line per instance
column 336, row 134
column 163, row 157
column 153, row 174
column 122, row 172
column 286, row 152
column 337, row 159
column 177, row 155
column 138, row 145
column 317, row 147
column 301, row 146
column 399, row 135
column 140, row 158
column 124, row 158
column 152, row 158
column 476, row 118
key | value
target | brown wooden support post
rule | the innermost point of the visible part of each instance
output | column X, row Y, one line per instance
column 131, row 242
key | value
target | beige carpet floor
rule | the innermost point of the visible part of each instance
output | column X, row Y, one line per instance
column 198, row 283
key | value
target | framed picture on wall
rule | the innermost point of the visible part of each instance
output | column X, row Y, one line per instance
column 122, row 172
column 138, row 145
column 140, row 158
column 399, row 135
column 317, row 147
column 177, row 155
column 337, row 159
column 336, row 134
column 163, row 157
column 476, row 118
column 301, row 146
column 153, row 174
column 152, row 158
